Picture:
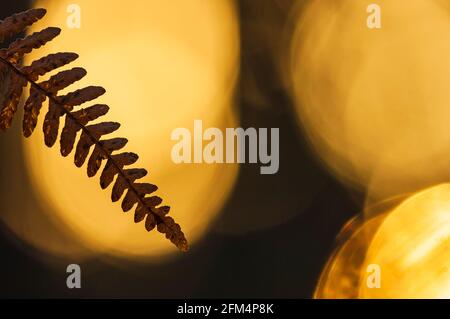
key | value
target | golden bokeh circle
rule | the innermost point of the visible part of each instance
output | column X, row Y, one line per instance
column 164, row 65
column 408, row 244
column 374, row 102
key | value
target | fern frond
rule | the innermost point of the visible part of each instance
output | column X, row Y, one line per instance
column 16, row 77
column 18, row 22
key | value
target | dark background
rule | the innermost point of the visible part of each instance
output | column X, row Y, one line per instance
column 284, row 261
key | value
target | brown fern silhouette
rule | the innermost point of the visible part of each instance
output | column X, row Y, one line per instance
column 16, row 77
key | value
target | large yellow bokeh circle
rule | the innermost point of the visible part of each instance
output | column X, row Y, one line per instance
column 374, row 102
column 400, row 252
column 411, row 249
column 164, row 65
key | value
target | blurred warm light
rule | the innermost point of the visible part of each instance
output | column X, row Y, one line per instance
column 163, row 65
column 409, row 244
column 374, row 103
column 412, row 248
column 341, row 276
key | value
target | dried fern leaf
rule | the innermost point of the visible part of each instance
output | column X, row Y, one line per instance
column 150, row 221
column 5, row 76
column 22, row 46
column 48, row 63
column 16, row 23
column 11, row 101
column 63, row 79
column 72, row 126
column 132, row 198
column 125, row 181
column 114, row 165
column 81, row 96
column 14, row 77
column 32, row 109
column 89, row 138
column 102, row 151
